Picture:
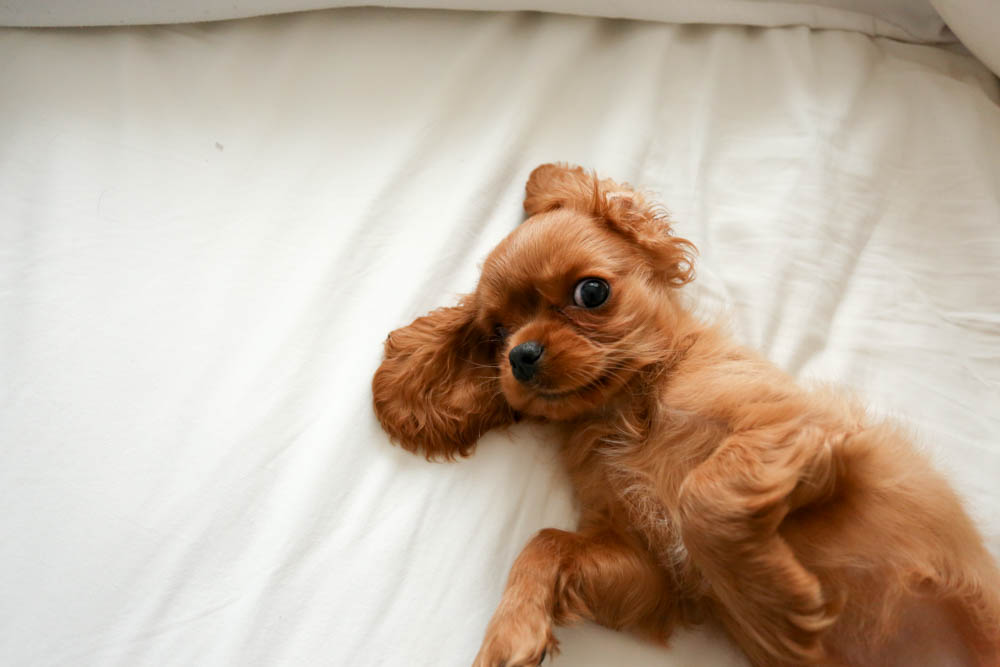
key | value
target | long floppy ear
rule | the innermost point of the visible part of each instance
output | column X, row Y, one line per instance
column 438, row 389
column 625, row 210
column 649, row 227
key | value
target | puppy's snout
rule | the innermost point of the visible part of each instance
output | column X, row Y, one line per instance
column 524, row 359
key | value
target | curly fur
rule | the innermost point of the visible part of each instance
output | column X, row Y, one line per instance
column 710, row 483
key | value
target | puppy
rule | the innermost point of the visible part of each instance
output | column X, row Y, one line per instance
column 709, row 483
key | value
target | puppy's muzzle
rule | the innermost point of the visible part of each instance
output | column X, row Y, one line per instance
column 524, row 360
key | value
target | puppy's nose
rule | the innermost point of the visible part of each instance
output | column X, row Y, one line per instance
column 524, row 359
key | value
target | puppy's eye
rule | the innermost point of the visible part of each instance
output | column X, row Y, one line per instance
column 591, row 292
column 500, row 332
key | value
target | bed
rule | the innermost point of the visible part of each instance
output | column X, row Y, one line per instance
column 207, row 230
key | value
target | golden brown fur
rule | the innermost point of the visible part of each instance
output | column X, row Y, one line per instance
column 710, row 484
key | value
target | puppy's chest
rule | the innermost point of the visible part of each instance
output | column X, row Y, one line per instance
column 637, row 488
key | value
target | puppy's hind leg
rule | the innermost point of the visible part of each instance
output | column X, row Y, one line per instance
column 730, row 508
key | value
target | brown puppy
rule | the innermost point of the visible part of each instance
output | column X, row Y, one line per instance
column 710, row 484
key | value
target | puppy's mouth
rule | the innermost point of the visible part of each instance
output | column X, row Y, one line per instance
column 602, row 382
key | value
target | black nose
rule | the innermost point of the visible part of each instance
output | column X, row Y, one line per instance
column 524, row 359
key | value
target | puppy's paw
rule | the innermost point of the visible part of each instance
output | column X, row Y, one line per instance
column 517, row 637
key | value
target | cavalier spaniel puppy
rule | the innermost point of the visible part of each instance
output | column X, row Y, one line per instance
column 709, row 483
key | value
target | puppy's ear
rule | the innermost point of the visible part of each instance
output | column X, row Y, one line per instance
column 625, row 210
column 438, row 389
column 648, row 226
column 557, row 185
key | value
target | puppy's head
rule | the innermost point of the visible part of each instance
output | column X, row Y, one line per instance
column 570, row 306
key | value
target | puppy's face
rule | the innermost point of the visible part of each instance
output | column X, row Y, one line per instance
column 575, row 307
column 569, row 308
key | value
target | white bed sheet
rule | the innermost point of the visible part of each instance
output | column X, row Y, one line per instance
column 207, row 231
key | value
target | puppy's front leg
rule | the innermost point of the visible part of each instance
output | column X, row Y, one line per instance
column 560, row 577
column 730, row 509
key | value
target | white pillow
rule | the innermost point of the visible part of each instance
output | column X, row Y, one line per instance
column 977, row 24
column 911, row 20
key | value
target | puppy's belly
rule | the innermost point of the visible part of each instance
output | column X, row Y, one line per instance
column 928, row 634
